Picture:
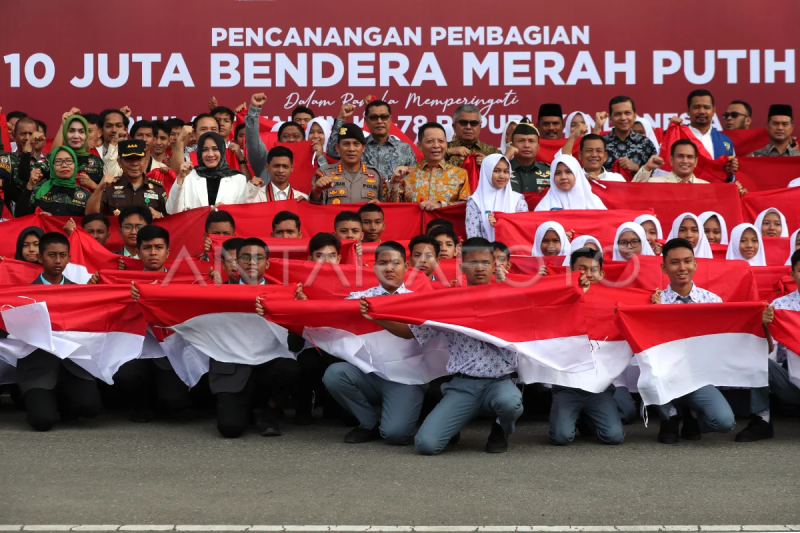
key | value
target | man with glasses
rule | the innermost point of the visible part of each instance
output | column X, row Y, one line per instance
column 132, row 219
column 382, row 150
column 780, row 126
column 738, row 116
column 467, row 129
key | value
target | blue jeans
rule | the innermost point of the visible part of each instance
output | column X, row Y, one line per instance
column 779, row 384
column 713, row 412
column 626, row 405
column 600, row 409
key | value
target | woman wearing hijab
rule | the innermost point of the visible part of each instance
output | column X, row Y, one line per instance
column 28, row 244
column 645, row 127
column 687, row 226
column 771, row 223
column 714, row 227
column 574, row 120
column 652, row 229
column 494, row 195
column 569, row 188
column 58, row 194
column 746, row 245
column 211, row 182
column 584, row 241
column 75, row 132
column 551, row 241
column 630, row 240
column 508, row 132
column 318, row 132
column 794, row 245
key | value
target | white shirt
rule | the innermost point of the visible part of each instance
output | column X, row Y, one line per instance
column 254, row 195
column 705, row 138
column 611, row 176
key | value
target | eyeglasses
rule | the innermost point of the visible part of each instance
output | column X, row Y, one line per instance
column 734, row 114
column 384, row 117
column 465, row 123
column 247, row 258
column 131, row 227
column 63, row 162
column 633, row 243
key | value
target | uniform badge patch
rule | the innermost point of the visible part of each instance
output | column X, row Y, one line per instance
column 370, row 180
column 370, row 194
column 727, row 145
column 80, row 195
column 342, row 192
column 116, row 212
column 336, row 201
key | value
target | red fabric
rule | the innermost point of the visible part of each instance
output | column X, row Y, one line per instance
column 281, row 248
column 264, row 124
column 166, row 176
column 776, row 250
column 624, row 172
column 303, row 161
column 784, row 200
column 4, row 133
column 769, row 281
column 533, row 198
column 125, row 277
column 473, row 171
column 84, row 250
column 548, row 149
column 785, row 285
column 669, row 200
column 756, row 173
column 13, row 272
column 454, row 213
column 601, row 308
column 746, row 142
column 786, row 329
column 681, row 131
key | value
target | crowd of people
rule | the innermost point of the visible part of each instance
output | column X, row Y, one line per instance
column 100, row 166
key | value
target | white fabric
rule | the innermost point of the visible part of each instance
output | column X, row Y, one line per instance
column 490, row 198
column 703, row 249
column 765, row 212
column 792, row 246
column 194, row 192
column 503, row 143
column 579, row 197
column 254, row 194
column 188, row 362
column 706, row 139
column 580, row 242
column 723, row 227
column 568, row 122
column 649, row 132
column 759, row 259
column 794, row 183
column 639, row 231
column 654, row 220
column 278, row 125
column 629, row 378
column 566, row 249
column 612, row 176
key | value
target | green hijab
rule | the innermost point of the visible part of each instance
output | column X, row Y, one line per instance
column 68, row 183
column 82, row 151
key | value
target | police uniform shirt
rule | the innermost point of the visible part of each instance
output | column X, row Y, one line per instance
column 352, row 187
column 122, row 194
column 532, row 178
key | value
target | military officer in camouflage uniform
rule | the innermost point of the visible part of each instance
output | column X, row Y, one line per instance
column 350, row 181
column 527, row 174
column 132, row 188
column 57, row 194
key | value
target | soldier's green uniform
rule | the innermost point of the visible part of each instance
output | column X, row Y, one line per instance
column 531, row 178
column 59, row 197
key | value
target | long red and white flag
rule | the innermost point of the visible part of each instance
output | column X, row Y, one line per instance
column 681, row 348
column 786, row 330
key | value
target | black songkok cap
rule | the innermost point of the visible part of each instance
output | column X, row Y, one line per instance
column 550, row 110
column 781, row 110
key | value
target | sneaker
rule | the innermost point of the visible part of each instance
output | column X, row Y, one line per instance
column 497, row 442
column 757, row 429
column 268, row 423
column 691, row 427
column 361, row 435
column 668, row 434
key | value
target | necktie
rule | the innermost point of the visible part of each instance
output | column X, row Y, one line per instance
column 684, row 299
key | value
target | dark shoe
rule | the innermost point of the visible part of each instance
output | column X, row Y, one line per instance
column 361, row 435
column 455, row 439
column 268, row 424
column 668, row 433
column 348, row 419
column 68, row 418
column 757, row 429
column 141, row 415
column 302, row 418
column 497, row 442
column 691, row 427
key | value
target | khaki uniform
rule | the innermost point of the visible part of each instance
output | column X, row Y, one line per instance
column 121, row 194
column 366, row 186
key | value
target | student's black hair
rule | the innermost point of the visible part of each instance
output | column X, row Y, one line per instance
column 426, row 240
column 92, row 118
column 592, row 137
column 437, row 222
column 795, row 259
column 672, row 244
column 620, row 100
column 346, row 216
column 222, row 109
column 746, row 106
column 595, row 255
column 475, row 245
column 283, row 216
column 130, row 210
column 219, row 216
column 160, row 125
column 302, row 109
column 377, row 103
column 16, row 115
column 42, row 125
column 682, row 142
column 139, row 124
column 173, row 123
column 200, row 117
column 291, row 123
column 321, row 240
column 239, row 127
column 370, row 208
column 427, row 126
column 390, row 246
column 52, row 237
column 444, row 230
column 232, row 244
column 698, row 93
column 502, row 248
column 149, row 233
column 94, row 216
column 106, row 112
column 252, row 241
column 279, row 151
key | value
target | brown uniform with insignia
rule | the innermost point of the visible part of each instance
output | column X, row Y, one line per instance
column 121, row 194
column 352, row 187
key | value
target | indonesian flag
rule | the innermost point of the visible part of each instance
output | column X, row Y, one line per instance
column 755, row 173
column 265, row 124
column 681, row 348
column 770, row 281
column 13, row 272
column 784, row 200
column 98, row 328
column 676, row 132
column 786, row 330
column 473, row 171
column 548, row 149
column 748, row 141
column 88, row 256
column 166, row 176
column 454, row 213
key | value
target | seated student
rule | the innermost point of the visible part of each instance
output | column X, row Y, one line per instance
column 550, row 241
column 97, row 226
column 449, row 247
column 772, row 223
column 569, row 188
column 28, row 244
column 600, row 410
column 630, row 240
column 132, row 219
column 153, row 246
column 780, row 384
column 372, row 221
column 280, row 165
column 286, row 225
column 652, row 228
column 238, row 388
column 52, row 386
column 794, row 245
column 424, row 253
column 217, row 223
column 705, row 409
column 347, row 226
column 714, row 227
column 687, row 226
column 502, row 257
column 494, row 195
column 437, row 222
column 482, row 372
column 324, row 248
column 746, row 245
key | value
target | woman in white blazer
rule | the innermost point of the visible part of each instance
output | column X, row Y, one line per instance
column 211, row 182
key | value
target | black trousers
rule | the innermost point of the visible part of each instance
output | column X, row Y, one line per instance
column 313, row 364
column 72, row 396
column 147, row 382
column 274, row 379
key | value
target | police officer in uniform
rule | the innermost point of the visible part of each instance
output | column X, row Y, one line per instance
column 527, row 174
column 132, row 188
column 350, row 181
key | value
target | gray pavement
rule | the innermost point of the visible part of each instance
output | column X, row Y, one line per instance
column 110, row 471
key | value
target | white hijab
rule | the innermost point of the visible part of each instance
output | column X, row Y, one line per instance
column 759, row 259
column 639, row 231
column 723, row 227
column 765, row 212
column 579, row 197
column 490, row 198
column 580, row 242
column 566, row 249
column 703, row 249
column 794, row 183
column 326, row 129
column 791, row 246
column 654, row 220
column 278, row 125
column 503, row 143
column 648, row 131
column 568, row 122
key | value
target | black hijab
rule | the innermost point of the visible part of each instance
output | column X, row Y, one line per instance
column 222, row 169
column 24, row 233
